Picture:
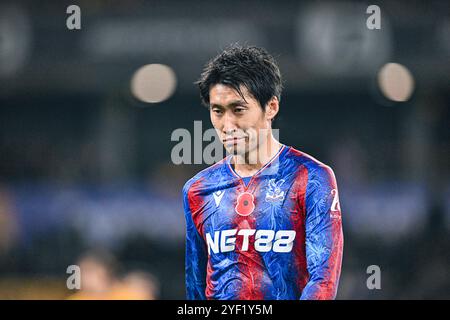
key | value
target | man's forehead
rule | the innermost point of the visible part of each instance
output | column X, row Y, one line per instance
column 221, row 92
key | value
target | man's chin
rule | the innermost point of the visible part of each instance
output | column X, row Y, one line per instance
column 236, row 151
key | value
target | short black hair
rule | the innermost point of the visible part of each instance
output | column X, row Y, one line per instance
column 249, row 66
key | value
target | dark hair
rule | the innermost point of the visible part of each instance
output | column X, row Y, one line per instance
column 252, row 67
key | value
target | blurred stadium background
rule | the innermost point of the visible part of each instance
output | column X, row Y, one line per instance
column 85, row 161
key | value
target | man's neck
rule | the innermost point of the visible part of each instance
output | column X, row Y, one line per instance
column 248, row 164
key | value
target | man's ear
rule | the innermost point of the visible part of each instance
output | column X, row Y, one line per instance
column 272, row 108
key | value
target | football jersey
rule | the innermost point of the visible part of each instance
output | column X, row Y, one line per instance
column 278, row 236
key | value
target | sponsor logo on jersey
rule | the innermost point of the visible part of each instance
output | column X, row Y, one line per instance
column 274, row 192
column 222, row 241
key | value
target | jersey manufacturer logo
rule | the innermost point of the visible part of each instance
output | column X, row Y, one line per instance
column 264, row 240
column 274, row 193
column 218, row 195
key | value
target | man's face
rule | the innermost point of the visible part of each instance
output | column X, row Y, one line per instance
column 238, row 122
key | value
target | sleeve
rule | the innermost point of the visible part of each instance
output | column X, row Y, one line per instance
column 196, row 256
column 324, row 236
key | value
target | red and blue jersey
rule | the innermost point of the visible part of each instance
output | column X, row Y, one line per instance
column 279, row 236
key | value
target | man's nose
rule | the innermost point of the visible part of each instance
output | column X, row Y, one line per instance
column 229, row 123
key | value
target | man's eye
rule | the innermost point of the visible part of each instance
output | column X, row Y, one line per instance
column 217, row 111
column 239, row 110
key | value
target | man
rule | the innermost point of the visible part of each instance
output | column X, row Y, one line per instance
column 265, row 222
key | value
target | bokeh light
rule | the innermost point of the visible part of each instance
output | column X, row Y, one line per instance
column 396, row 82
column 153, row 83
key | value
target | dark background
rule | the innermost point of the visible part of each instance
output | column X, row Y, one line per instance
column 84, row 164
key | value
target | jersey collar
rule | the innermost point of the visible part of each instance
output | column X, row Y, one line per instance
column 268, row 164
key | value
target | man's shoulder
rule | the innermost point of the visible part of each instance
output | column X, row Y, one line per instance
column 312, row 165
column 205, row 176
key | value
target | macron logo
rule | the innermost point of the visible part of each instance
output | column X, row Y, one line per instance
column 218, row 195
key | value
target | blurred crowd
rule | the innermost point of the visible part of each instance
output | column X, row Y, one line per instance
column 101, row 280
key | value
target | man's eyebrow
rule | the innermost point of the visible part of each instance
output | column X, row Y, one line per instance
column 231, row 104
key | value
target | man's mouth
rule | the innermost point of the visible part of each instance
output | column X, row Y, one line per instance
column 233, row 140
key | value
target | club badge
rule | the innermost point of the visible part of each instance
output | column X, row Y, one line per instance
column 274, row 192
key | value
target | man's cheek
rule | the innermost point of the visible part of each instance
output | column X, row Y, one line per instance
column 251, row 134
